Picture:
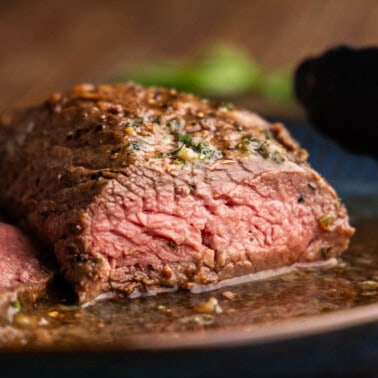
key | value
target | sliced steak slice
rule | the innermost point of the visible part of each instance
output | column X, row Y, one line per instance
column 139, row 190
column 23, row 275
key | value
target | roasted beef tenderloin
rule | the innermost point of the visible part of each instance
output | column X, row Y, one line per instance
column 138, row 190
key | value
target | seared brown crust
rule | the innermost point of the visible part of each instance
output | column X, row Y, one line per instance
column 60, row 159
column 87, row 134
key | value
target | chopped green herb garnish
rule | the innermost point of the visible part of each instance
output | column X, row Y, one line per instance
column 134, row 122
column 324, row 252
column 207, row 317
column 204, row 150
column 174, row 152
column 134, row 146
column 238, row 127
column 246, row 141
column 263, row 150
column 180, row 160
column 249, row 142
column 207, row 151
column 172, row 245
column 326, row 221
column 155, row 119
column 174, row 124
column 16, row 304
column 186, row 139
column 249, row 138
column 267, row 133
column 97, row 260
column 277, row 157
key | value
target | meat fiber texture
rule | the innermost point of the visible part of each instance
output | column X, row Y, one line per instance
column 22, row 273
column 138, row 190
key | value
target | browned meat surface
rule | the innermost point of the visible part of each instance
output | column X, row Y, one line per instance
column 138, row 190
column 21, row 271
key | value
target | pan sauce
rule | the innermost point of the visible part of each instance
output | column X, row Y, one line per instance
column 351, row 283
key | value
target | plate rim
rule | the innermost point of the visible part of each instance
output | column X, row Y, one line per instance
column 250, row 335
column 226, row 336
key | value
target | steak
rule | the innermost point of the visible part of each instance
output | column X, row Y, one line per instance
column 139, row 190
column 22, row 274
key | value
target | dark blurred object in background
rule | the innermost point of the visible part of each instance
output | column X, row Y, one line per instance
column 339, row 91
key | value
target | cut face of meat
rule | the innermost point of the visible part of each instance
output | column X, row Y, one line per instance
column 22, row 273
column 142, row 190
column 189, row 230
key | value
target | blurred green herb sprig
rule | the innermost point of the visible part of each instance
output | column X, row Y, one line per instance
column 222, row 71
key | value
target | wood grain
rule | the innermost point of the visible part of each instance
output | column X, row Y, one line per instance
column 48, row 45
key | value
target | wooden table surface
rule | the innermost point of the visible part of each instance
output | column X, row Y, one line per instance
column 50, row 45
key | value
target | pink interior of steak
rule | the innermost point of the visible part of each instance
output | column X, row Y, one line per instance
column 18, row 260
column 200, row 227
